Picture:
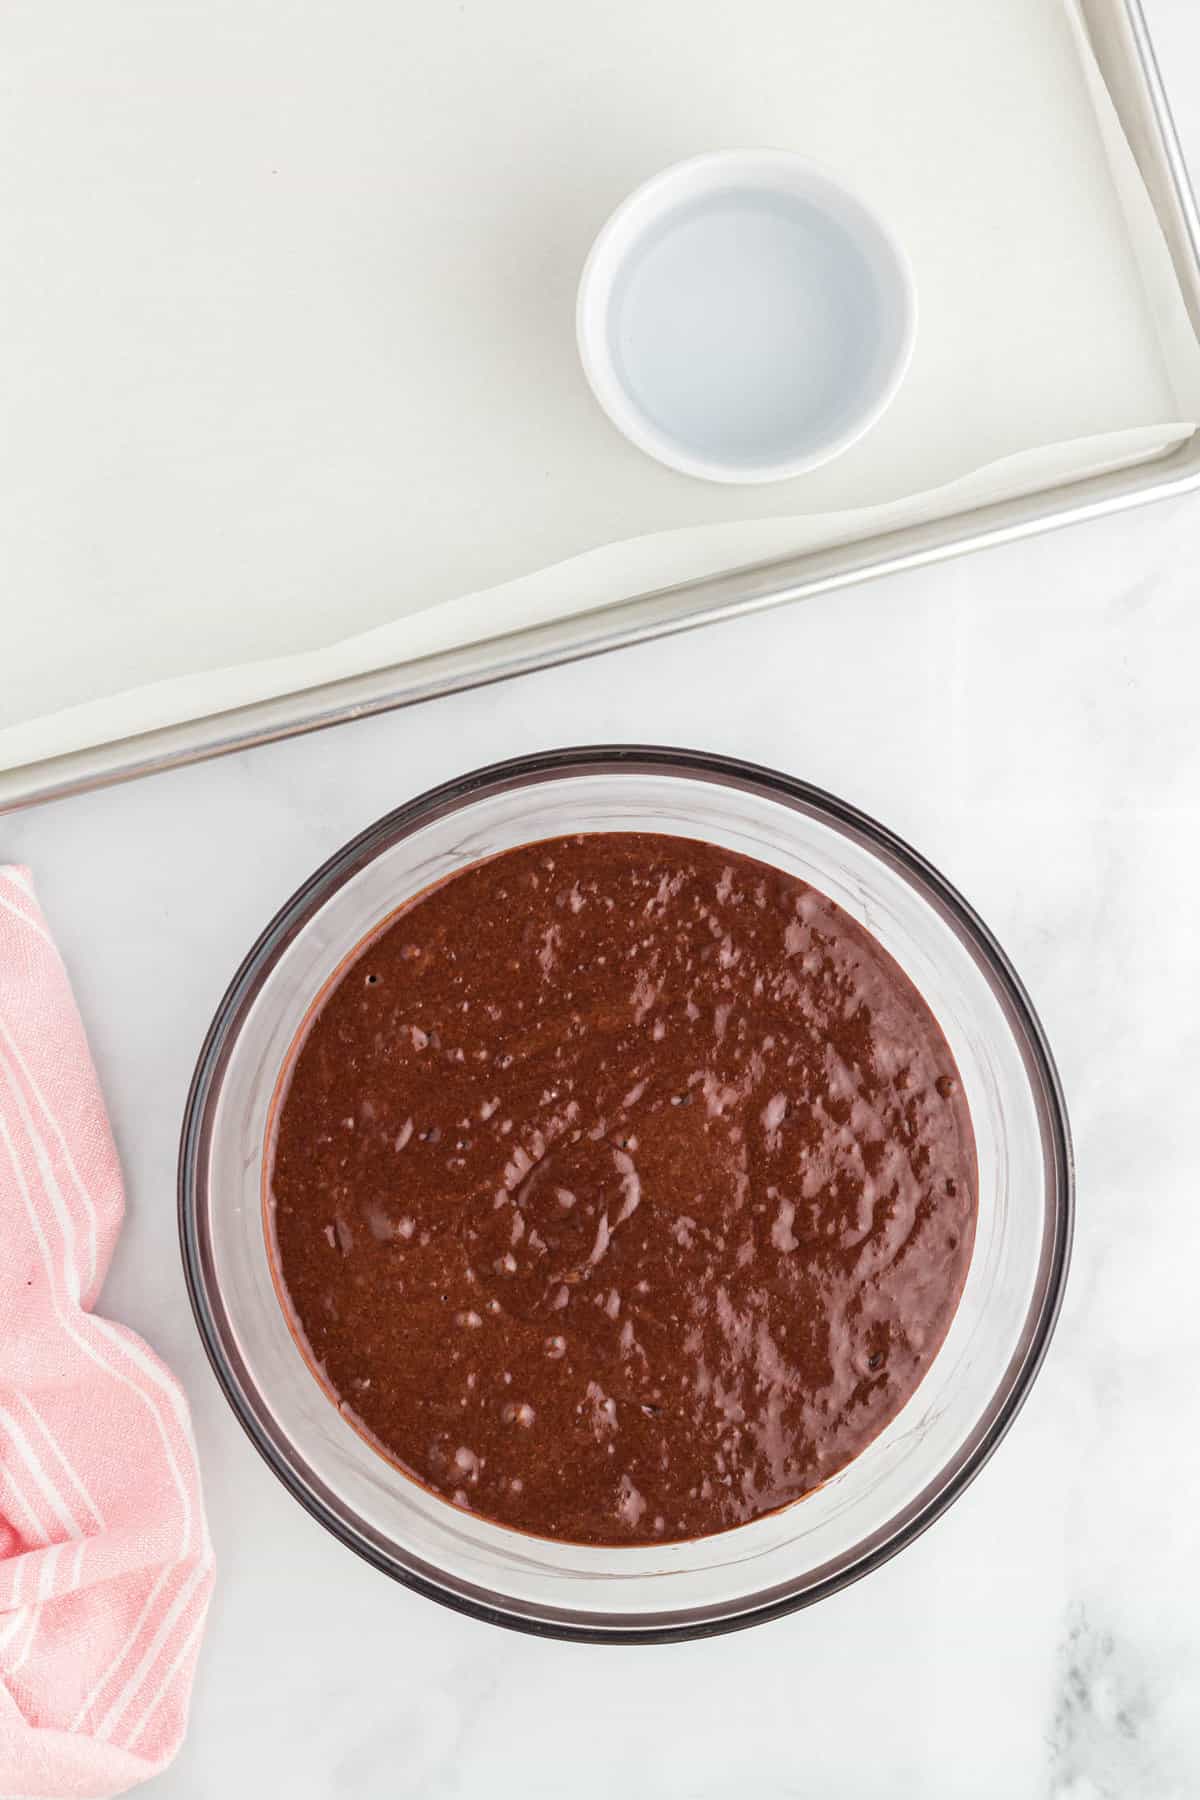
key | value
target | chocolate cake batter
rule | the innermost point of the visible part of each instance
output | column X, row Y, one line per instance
column 623, row 1189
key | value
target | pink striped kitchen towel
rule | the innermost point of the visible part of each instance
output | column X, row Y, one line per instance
column 105, row 1563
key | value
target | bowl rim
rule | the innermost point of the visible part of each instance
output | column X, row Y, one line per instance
column 789, row 791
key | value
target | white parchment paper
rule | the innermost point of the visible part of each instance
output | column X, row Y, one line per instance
column 286, row 334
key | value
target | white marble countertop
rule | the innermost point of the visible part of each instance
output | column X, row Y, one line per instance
column 1028, row 719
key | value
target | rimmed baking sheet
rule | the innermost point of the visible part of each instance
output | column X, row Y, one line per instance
column 297, row 410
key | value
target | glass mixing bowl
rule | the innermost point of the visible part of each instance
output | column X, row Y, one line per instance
column 933, row 1447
